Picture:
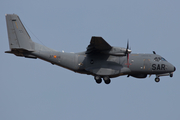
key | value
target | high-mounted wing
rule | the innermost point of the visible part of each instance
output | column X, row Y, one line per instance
column 97, row 44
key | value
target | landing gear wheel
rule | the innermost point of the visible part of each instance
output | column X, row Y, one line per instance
column 157, row 79
column 98, row 79
column 107, row 80
column 171, row 75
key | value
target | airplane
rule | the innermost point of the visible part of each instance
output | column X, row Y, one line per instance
column 100, row 60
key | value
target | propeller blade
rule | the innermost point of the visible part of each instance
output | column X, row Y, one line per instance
column 127, row 47
column 127, row 53
column 128, row 44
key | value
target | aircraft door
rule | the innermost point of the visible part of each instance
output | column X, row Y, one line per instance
column 147, row 64
column 81, row 61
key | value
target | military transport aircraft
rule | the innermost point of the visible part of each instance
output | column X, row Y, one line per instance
column 100, row 60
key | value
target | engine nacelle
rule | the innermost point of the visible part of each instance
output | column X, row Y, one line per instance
column 139, row 75
column 116, row 51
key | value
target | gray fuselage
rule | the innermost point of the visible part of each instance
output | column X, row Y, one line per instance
column 107, row 65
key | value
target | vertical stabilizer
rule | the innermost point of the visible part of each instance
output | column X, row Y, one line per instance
column 19, row 38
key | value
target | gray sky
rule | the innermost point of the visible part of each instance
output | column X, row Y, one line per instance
column 34, row 89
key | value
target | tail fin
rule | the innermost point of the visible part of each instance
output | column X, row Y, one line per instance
column 19, row 39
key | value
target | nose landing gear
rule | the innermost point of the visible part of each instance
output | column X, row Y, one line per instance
column 171, row 75
column 157, row 79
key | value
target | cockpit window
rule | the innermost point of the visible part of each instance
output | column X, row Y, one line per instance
column 159, row 59
column 163, row 59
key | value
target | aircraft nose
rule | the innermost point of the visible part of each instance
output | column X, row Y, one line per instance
column 174, row 68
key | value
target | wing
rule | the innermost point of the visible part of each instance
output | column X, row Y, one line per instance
column 97, row 44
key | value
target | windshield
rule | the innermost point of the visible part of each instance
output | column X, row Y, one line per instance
column 163, row 59
column 159, row 59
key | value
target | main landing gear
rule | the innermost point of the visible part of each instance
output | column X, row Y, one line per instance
column 99, row 80
column 106, row 79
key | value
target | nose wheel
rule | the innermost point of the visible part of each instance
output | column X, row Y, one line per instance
column 157, row 79
column 171, row 75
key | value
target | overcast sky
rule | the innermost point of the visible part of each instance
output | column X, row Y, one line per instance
column 37, row 90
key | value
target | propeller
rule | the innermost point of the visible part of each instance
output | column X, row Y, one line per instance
column 127, row 53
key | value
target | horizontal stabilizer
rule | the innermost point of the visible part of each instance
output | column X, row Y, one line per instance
column 21, row 53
